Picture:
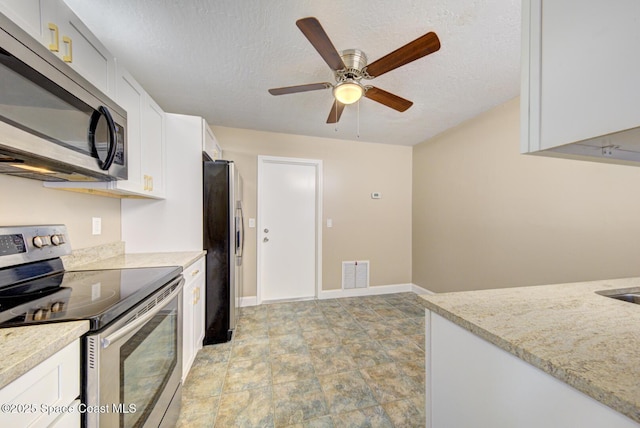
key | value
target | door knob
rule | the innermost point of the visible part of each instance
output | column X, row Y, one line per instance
column 266, row 231
column 265, row 239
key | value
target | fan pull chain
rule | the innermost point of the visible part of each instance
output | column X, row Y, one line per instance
column 358, row 122
column 336, row 110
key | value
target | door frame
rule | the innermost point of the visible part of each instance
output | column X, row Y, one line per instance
column 317, row 164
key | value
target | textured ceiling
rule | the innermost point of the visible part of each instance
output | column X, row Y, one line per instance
column 218, row 58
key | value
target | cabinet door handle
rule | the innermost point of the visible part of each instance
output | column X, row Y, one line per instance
column 69, row 56
column 195, row 296
column 195, row 272
column 55, row 45
column 148, row 183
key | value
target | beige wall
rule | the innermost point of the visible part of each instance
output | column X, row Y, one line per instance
column 485, row 216
column 363, row 229
column 26, row 201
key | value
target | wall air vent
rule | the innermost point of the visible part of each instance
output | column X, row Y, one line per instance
column 355, row 274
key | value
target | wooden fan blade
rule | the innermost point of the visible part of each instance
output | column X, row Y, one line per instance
column 299, row 88
column 336, row 112
column 388, row 99
column 422, row 46
column 313, row 31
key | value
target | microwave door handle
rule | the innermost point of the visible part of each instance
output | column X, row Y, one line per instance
column 113, row 143
column 107, row 341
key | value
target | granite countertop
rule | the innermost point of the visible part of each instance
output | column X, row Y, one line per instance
column 123, row 261
column 586, row 340
column 23, row 348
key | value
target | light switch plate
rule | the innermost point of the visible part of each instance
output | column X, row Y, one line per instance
column 252, row 222
column 96, row 225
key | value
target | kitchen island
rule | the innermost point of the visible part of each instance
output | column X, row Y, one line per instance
column 563, row 332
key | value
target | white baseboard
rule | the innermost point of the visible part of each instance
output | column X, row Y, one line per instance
column 419, row 290
column 353, row 292
column 248, row 301
column 369, row 291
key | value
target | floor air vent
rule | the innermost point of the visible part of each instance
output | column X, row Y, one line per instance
column 355, row 274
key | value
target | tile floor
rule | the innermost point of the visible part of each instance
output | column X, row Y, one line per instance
column 350, row 362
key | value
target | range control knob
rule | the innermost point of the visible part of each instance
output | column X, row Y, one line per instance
column 55, row 240
column 39, row 241
column 57, row 307
column 40, row 314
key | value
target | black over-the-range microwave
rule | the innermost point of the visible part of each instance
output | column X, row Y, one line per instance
column 54, row 124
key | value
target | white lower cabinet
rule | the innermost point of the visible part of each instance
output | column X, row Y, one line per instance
column 68, row 419
column 193, row 298
column 473, row 383
column 46, row 394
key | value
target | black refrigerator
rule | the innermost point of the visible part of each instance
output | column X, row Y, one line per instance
column 223, row 241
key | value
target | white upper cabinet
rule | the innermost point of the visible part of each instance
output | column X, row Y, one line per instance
column 131, row 97
column 210, row 143
column 54, row 24
column 27, row 14
column 580, row 78
column 153, row 148
column 145, row 139
column 79, row 47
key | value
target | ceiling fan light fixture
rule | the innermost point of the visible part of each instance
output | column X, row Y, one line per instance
column 348, row 92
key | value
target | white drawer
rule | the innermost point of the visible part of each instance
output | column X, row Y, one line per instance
column 194, row 271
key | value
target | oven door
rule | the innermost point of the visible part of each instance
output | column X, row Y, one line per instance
column 133, row 367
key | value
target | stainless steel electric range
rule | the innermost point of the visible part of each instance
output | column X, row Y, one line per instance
column 132, row 353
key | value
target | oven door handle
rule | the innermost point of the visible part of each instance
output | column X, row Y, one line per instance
column 139, row 322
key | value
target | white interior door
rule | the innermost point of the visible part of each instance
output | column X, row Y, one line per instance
column 288, row 239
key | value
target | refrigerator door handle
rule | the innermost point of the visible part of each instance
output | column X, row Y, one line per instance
column 242, row 228
column 239, row 232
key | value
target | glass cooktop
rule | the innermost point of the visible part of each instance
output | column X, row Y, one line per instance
column 99, row 296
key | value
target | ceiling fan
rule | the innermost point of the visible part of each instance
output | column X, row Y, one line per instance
column 350, row 68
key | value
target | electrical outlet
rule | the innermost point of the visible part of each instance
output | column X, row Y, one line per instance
column 96, row 225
